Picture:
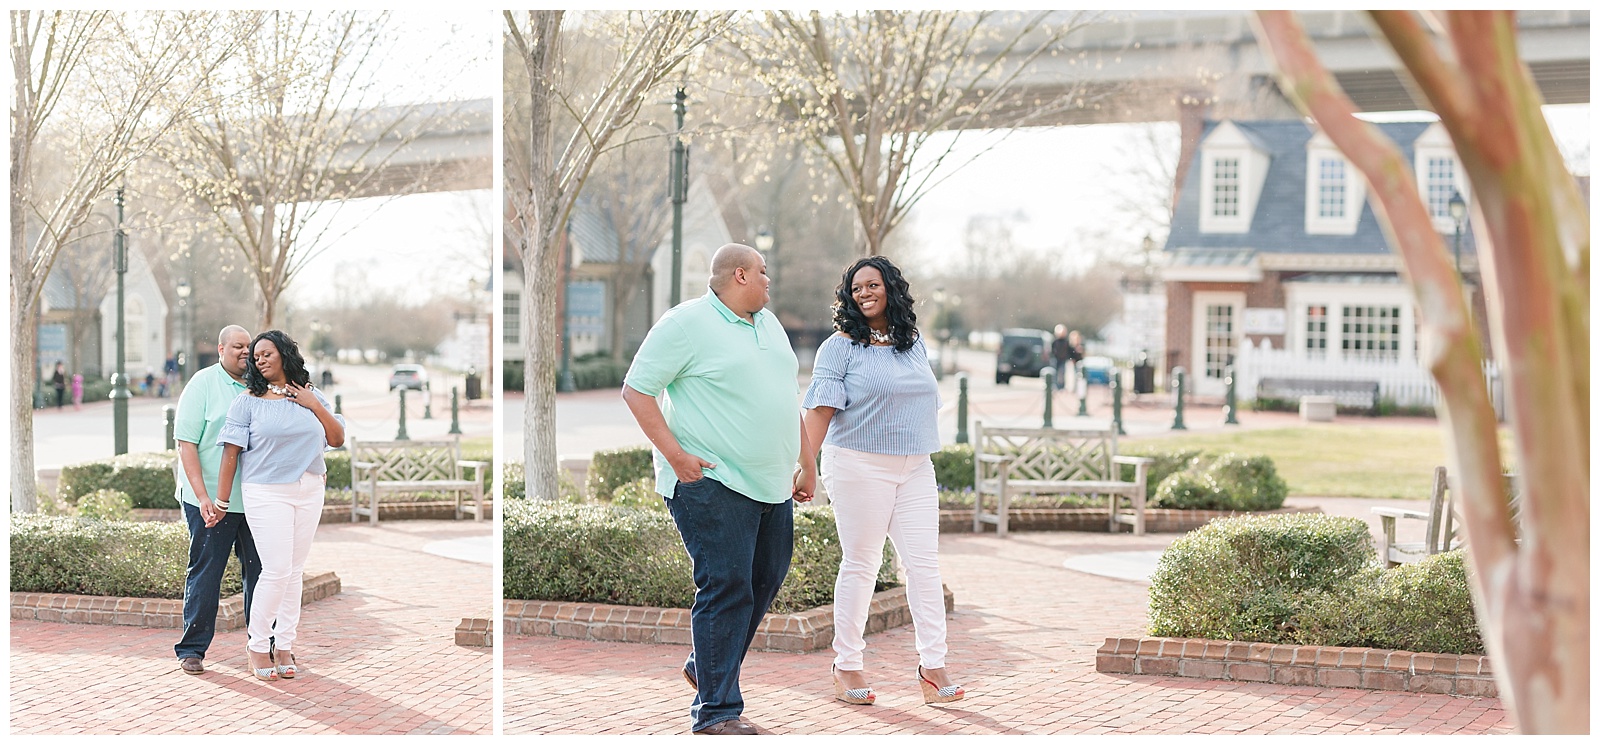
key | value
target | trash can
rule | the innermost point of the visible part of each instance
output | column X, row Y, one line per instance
column 474, row 386
column 327, row 378
column 1144, row 376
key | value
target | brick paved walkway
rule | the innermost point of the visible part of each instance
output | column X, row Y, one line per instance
column 1022, row 640
column 378, row 658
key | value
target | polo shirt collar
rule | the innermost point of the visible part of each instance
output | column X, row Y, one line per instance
column 729, row 315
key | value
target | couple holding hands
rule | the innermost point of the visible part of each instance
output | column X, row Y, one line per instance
column 727, row 435
column 250, row 432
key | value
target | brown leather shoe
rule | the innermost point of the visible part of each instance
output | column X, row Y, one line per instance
column 731, row 727
column 191, row 665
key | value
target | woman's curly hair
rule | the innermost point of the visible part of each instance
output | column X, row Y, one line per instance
column 294, row 365
column 847, row 316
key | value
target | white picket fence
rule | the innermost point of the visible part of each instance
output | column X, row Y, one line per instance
column 1403, row 382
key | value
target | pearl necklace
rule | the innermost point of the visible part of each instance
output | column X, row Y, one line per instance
column 280, row 390
column 880, row 337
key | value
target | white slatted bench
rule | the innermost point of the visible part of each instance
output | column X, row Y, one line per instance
column 1009, row 461
column 1442, row 534
column 412, row 467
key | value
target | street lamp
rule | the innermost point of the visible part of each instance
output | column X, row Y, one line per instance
column 1458, row 211
column 187, row 343
column 566, row 384
column 119, row 380
column 680, row 194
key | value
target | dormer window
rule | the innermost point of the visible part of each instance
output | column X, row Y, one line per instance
column 1333, row 193
column 1225, row 187
column 1233, row 168
column 1439, row 175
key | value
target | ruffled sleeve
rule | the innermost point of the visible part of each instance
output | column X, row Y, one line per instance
column 236, row 430
column 827, row 375
column 337, row 417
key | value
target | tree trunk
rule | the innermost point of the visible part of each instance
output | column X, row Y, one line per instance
column 1532, row 597
column 541, row 262
column 24, row 313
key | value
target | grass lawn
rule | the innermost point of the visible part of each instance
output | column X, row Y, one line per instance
column 1330, row 460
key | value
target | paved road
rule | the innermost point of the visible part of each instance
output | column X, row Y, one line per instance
column 64, row 436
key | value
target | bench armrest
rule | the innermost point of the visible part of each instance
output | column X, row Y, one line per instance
column 993, row 458
column 362, row 464
column 1393, row 512
column 473, row 463
column 1132, row 460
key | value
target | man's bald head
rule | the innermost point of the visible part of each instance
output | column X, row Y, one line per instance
column 233, row 350
column 222, row 336
column 728, row 258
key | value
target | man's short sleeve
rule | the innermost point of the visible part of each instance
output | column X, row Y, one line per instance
column 664, row 355
column 190, row 422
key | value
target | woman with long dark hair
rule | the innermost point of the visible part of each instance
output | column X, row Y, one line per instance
column 873, row 409
column 275, row 436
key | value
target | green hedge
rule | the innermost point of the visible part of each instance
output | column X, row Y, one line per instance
column 609, row 469
column 511, row 375
column 106, row 504
column 1421, row 607
column 145, row 477
column 634, row 556
column 952, row 468
column 1225, row 482
column 84, row 556
column 1246, row 578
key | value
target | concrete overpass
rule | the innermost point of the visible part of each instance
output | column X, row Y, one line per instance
column 1136, row 66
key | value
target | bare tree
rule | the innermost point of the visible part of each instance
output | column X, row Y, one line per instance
column 296, row 126
column 868, row 91
column 543, row 176
column 1530, row 568
column 629, row 191
column 104, row 88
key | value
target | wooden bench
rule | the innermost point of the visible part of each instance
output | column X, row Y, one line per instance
column 1442, row 533
column 1008, row 461
column 410, row 467
column 1354, row 393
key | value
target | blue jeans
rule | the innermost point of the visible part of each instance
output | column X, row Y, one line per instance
column 741, row 550
column 202, row 588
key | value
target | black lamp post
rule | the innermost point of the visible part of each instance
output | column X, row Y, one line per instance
column 119, row 379
column 566, row 384
column 1458, row 211
column 766, row 244
column 680, row 194
column 185, row 343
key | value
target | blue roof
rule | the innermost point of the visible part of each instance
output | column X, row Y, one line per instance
column 1278, row 225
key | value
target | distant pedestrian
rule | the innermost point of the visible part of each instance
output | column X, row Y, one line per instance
column 77, row 391
column 58, row 381
column 169, row 376
column 149, row 386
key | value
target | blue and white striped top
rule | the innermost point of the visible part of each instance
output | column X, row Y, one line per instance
column 280, row 438
column 887, row 401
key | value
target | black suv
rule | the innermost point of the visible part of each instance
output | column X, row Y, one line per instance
column 1022, row 352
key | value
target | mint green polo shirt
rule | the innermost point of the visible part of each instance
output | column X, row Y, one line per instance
column 731, row 395
column 202, row 410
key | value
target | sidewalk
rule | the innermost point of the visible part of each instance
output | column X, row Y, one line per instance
column 1022, row 640
column 378, row 658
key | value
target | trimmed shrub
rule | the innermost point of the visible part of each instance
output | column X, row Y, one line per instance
column 1166, row 464
column 641, row 494
column 952, row 468
column 95, row 557
column 338, row 462
column 106, row 504
column 598, row 372
column 1190, row 490
column 609, row 469
column 1246, row 578
column 511, row 375
column 1420, row 607
column 514, row 480
column 1250, row 482
column 631, row 556
column 145, row 477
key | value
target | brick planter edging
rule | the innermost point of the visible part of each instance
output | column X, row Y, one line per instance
column 475, row 632
column 339, row 512
column 805, row 631
column 150, row 613
column 1288, row 664
column 1094, row 519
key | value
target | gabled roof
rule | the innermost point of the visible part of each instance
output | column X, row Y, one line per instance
column 1278, row 225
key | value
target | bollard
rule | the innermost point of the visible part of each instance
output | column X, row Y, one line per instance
column 1230, row 405
column 401, row 435
column 338, row 403
column 1083, row 390
column 1048, row 376
column 1177, row 383
column 427, row 401
column 455, row 412
column 961, row 408
column 1116, row 401
column 171, row 415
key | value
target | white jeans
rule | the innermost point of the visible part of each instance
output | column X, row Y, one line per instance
column 283, row 519
column 875, row 496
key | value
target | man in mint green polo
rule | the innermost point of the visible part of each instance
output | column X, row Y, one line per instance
column 216, row 522
column 727, row 438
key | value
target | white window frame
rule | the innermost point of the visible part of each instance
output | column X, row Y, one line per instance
column 1226, row 142
column 1434, row 143
column 1355, row 191
column 1299, row 296
column 1199, row 383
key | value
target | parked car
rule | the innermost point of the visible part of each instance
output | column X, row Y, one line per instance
column 408, row 376
column 1097, row 370
column 1022, row 352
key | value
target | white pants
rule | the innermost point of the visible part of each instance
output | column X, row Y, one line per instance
column 283, row 519
column 875, row 496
